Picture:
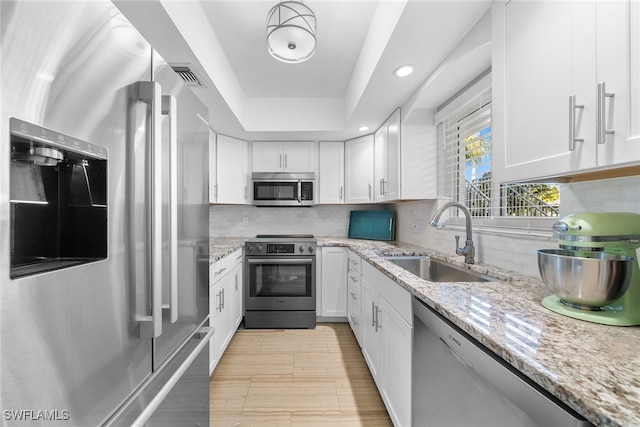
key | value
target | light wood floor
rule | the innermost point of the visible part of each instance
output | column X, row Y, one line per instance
column 295, row 378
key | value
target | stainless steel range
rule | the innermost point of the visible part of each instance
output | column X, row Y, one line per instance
column 280, row 281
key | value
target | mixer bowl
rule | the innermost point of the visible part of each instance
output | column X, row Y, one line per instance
column 587, row 281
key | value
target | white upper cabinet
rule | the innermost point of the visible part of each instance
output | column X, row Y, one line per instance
column 284, row 156
column 213, row 167
column 232, row 170
column 359, row 170
column 561, row 94
column 387, row 160
column 331, row 172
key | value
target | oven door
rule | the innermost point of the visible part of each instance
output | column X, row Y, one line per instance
column 280, row 283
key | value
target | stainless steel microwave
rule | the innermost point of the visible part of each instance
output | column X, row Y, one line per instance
column 283, row 188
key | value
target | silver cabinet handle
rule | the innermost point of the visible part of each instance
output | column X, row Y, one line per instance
column 378, row 325
column 219, row 298
column 220, row 271
column 170, row 108
column 370, row 192
column 149, row 92
column 340, row 193
column 572, row 122
column 280, row 160
column 381, row 187
column 601, row 123
column 285, row 161
column 373, row 315
column 149, row 410
column 353, row 295
column 222, row 299
column 390, row 223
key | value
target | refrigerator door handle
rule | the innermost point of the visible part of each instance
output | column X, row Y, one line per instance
column 170, row 109
column 148, row 411
column 150, row 93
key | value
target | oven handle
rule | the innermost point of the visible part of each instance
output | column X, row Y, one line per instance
column 279, row 261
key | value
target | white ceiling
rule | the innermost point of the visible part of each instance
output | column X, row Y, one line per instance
column 349, row 82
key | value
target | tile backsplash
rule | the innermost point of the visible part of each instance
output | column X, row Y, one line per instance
column 248, row 221
column 511, row 252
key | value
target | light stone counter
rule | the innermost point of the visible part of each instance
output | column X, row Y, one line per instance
column 594, row 369
column 220, row 247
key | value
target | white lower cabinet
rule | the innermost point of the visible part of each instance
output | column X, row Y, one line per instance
column 225, row 303
column 354, row 296
column 333, row 276
column 387, row 329
column 371, row 335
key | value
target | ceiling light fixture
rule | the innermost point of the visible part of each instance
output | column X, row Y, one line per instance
column 403, row 70
column 291, row 32
column 363, row 128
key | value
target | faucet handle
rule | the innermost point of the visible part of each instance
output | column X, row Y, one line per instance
column 457, row 242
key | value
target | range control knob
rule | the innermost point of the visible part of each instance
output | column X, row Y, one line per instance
column 310, row 249
column 301, row 249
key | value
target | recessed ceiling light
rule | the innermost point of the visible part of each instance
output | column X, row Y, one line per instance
column 403, row 70
column 363, row 128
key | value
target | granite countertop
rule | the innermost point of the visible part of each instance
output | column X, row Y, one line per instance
column 220, row 247
column 594, row 369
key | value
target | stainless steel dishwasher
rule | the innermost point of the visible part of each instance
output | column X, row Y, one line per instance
column 458, row 382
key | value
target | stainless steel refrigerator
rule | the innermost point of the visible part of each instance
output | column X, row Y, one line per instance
column 104, row 249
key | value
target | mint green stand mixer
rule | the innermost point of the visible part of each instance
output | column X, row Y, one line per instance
column 595, row 275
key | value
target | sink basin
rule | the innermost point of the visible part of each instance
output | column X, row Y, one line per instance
column 437, row 271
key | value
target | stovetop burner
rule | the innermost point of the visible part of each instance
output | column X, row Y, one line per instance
column 285, row 236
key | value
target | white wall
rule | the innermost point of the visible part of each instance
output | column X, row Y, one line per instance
column 518, row 253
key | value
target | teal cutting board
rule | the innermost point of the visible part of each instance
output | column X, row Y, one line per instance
column 372, row 225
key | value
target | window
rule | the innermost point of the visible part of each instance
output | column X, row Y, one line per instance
column 465, row 161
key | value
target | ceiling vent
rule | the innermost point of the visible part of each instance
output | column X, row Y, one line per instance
column 187, row 73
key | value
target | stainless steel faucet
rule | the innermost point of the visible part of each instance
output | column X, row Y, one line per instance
column 469, row 251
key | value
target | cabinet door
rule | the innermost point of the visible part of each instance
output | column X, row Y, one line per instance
column 614, row 37
column 359, row 170
column 224, row 320
column 532, row 73
column 371, row 335
column 331, row 173
column 396, row 364
column 634, row 30
column 213, row 178
column 232, row 170
column 380, row 170
column 267, row 156
column 220, row 320
column 299, row 156
column 392, row 183
column 236, row 290
column 334, row 282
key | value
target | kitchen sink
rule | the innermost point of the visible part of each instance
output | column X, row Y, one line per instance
column 437, row 271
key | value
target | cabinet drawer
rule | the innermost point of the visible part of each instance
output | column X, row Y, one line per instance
column 353, row 290
column 397, row 297
column 223, row 266
column 355, row 262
